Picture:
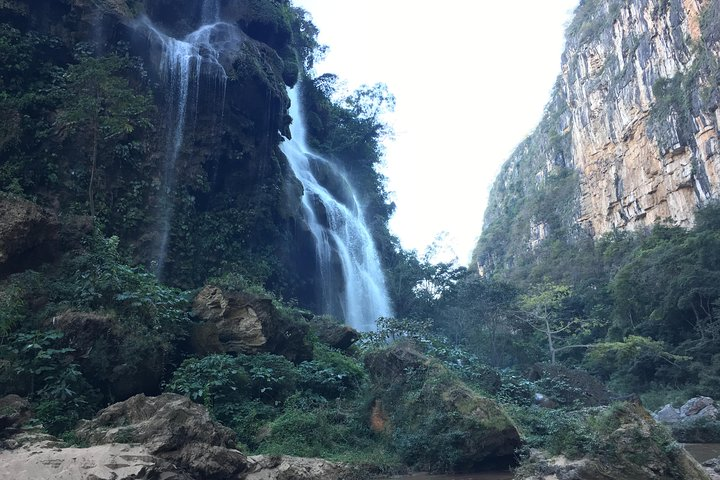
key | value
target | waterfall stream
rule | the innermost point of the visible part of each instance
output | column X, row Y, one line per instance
column 183, row 64
column 357, row 292
column 351, row 283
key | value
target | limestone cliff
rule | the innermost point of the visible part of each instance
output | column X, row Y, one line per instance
column 630, row 136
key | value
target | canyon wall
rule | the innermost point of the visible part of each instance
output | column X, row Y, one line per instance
column 629, row 138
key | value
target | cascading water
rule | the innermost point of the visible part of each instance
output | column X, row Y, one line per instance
column 182, row 65
column 340, row 233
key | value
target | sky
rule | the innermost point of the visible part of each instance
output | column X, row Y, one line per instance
column 470, row 78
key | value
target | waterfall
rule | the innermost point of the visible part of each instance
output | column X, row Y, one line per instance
column 183, row 63
column 336, row 222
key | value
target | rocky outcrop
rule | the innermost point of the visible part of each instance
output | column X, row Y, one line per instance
column 694, row 422
column 693, row 410
column 629, row 445
column 172, row 428
column 41, row 461
column 149, row 438
column 29, row 235
column 421, row 405
column 644, row 128
column 633, row 119
column 567, row 386
column 236, row 322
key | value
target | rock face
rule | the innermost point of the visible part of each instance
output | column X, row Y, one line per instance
column 234, row 322
column 635, row 447
column 630, row 135
column 438, row 422
column 29, row 235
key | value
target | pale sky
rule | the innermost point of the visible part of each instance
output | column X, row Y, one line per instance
column 471, row 78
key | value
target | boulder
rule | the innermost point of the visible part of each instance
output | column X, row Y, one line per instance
column 172, row 428
column 14, row 411
column 694, row 422
column 40, row 461
column 284, row 467
column 698, row 407
column 29, row 235
column 668, row 414
column 628, row 445
column 434, row 419
column 151, row 438
column 236, row 322
column 334, row 334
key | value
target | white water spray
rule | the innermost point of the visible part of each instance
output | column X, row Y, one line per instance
column 182, row 65
column 340, row 233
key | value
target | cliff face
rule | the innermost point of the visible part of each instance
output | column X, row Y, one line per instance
column 633, row 119
column 235, row 202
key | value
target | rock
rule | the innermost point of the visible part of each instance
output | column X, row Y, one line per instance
column 668, row 414
column 234, row 322
column 334, row 334
column 14, row 411
column 640, row 157
column 103, row 462
column 294, row 468
column 153, row 438
column 174, row 429
column 635, row 448
column 422, row 405
column 29, row 235
column 695, row 422
column 694, row 406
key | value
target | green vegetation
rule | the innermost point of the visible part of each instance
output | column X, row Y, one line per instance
column 640, row 312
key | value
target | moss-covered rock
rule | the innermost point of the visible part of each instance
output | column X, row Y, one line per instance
column 434, row 420
column 628, row 444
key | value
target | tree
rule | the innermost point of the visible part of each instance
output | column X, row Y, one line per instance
column 99, row 103
column 543, row 311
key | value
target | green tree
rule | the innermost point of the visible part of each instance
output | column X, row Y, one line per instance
column 99, row 103
column 544, row 312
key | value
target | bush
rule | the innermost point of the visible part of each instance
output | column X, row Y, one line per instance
column 214, row 381
column 331, row 374
column 337, row 432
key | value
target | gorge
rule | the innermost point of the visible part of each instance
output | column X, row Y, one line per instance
column 197, row 279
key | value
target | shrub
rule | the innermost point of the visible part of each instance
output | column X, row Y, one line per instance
column 331, row 374
column 214, row 381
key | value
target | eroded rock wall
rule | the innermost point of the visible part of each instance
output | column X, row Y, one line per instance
column 633, row 117
column 643, row 100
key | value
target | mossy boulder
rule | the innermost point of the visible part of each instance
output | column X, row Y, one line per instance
column 434, row 420
column 628, row 444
